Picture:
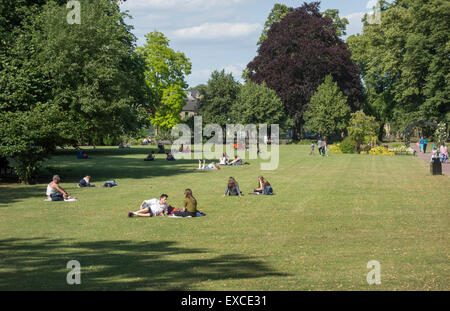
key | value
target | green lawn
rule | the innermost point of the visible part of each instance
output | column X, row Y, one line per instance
column 329, row 217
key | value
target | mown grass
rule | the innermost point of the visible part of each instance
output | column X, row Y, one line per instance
column 329, row 217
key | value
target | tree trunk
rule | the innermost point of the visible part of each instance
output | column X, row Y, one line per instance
column 298, row 127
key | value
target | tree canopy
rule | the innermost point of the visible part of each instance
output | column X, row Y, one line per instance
column 328, row 112
column 257, row 104
column 67, row 84
column 165, row 75
column 298, row 53
column 404, row 61
column 218, row 97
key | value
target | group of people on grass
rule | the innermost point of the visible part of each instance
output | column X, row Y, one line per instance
column 264, row 187
column 127, row 145
column 56, row 193
column 151, row 156
column 322, row 147
column 159, row 207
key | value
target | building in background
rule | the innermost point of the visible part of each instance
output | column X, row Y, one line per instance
column 190, row 109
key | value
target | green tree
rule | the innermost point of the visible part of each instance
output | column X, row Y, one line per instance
column 404, row 61
column 328, row 113
column 340, row 23
column 80, row 81
column 218, row 97
column 441, row 133
column 165, row 74
column 257, row 104
column 361, row 125
column 276, row 15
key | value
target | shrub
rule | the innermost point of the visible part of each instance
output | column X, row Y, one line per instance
column 348, row 145
column 335, row 148
column 304, row 142
column 365, row 148
column 381, row 151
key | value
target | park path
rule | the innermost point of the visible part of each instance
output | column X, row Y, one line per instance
column 427, row 157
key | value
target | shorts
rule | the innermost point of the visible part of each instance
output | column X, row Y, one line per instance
column 57, row 196
column 149, row 209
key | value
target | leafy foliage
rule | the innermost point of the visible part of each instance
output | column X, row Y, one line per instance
column 218, row 98
column 404, row 61
column 441, row 133
column 361, row 126
column 328, row 112
column 348, row 145
column 257, row 104
column 165, row 75
column 276, row 15
column 67, row 84
column 298, row 53
column 340, row 23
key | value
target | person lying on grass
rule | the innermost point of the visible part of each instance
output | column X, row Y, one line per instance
column 264, row 187
column 55, row 192
column 189, row 205
column 232, row 188
column 85, row 182
column 211, row 166
column 152, row 208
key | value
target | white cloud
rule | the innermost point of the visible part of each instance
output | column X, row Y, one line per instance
column 217, row 31
column 235, row 70
column 178, row 4
column 355, row 24
column 371, row 4
column 203, row 75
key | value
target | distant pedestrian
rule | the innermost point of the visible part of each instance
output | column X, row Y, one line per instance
column 325, row 147
column 425, row 143
column 312, row 149
column 319, row 146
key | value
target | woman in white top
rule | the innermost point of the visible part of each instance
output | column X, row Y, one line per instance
column 224, row 159
column 55, row 192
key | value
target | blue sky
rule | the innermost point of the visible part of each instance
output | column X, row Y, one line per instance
column 221, row 34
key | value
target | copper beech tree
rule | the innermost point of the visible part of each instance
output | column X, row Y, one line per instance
column 298, row 53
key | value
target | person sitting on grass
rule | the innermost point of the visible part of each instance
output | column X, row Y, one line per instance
column 161, row 148
column 237, row 161
column 170, row 157
column 150, row 157
column 224, row 159
column 189, row 205
column 264, row 187
column 232, row 188
column 211, row 166
column 152, row 208
column 85, row 182
column 55, row 192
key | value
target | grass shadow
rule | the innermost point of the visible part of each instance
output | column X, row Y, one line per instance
column 9, row 194
column 40, row 264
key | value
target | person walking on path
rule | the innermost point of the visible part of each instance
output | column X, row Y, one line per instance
column 425, row 143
